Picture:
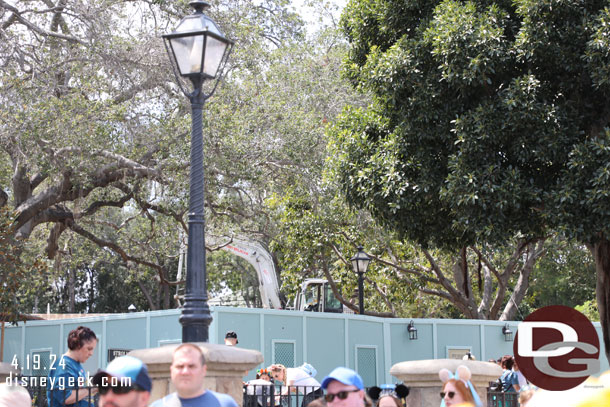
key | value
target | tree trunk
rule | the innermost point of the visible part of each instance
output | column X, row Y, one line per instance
column 534, row 252
column 601, row 254
column 146, row 293
column 165, row 290
column 71, row 290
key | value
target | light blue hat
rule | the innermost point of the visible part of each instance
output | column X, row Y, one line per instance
column 345, row 376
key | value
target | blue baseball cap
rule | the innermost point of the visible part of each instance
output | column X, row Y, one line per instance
column 345, row 376
column 126, row 367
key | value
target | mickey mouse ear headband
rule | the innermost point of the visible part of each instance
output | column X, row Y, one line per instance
column 397, row 390
column 462, row 373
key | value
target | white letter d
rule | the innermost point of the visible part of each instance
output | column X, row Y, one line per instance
column 526, row 336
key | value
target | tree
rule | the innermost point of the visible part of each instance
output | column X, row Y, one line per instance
column 319, row 234
column 489, row 121
column 93, row 131
column 12, row 270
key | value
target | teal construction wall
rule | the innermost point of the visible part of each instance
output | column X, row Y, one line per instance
column 368, row 344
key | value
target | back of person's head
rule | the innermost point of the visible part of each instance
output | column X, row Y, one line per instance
column 13, row 395
column 390, row 400
column 319, row 402
column 77, row 337
column 507, row 362
column 388, row 395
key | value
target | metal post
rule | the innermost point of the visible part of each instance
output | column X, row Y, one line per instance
column 196, row 317
column 361, row 291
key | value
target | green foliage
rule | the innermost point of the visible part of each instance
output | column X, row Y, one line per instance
column 92, row 113
column 488, row 119
column 229, row 274
column 564, row 276
column 14, row 271
column 488, row 122
column 320, row 233
column 590, row 310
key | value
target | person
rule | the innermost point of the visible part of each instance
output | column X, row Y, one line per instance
column 13, row 395
column 298, row 379
column 231, row 338
column 67, row 374
column 261, row 386
column 344, row 388
column 389, row 395
column 468, row 356
column 319, row 402
column 510, row 382
column 520, row 378
column 525, row 395
column 457, row 389
column 124, row 383
column 263, row 374
column 187, row 372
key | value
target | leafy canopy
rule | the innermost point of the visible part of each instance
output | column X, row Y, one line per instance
column 489, row 118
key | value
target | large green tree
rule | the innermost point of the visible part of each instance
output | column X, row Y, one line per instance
column 94, row 136
column 489, row 121
column 94, row 133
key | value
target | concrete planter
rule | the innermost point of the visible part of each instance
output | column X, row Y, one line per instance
column 422, row 378
column 227, row 365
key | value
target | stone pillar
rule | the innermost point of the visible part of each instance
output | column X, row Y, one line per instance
column 227, row 365
column 5, row 371
column 421, row 376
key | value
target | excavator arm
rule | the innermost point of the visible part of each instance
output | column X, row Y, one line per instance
column 255, row 254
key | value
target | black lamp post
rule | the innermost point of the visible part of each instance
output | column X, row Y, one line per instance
column 360, row 262
column 199, row 51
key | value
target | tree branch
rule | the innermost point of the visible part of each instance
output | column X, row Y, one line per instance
column 441, row 277
column 335, row 290
column 53, row 239
column 383, row 295
column 3, row 197
column 403, row 270
column 121, row 252
column 536, row 251
column 37, row 29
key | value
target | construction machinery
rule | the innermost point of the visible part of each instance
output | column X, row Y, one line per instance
column 315, row 295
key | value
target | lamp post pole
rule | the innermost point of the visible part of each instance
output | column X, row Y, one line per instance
column 361, row 291
column 199, row 51
column 196, row 317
